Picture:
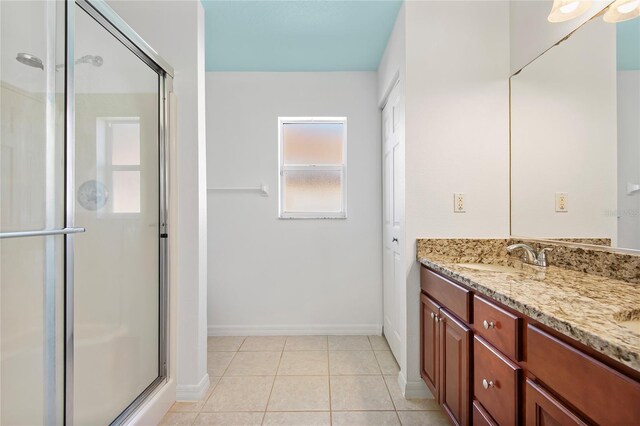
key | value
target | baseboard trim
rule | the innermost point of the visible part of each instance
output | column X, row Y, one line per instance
column 413, row 389
column 193, row 392
column 284, row 330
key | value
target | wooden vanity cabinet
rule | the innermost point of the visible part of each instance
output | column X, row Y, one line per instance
column 455, row 339
column 429, row 364
column 445, row 364
column 513, row 369
column 545, row 410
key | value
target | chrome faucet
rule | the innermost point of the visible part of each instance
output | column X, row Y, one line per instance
column 530, row 256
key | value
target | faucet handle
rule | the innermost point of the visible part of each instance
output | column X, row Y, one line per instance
column 542, row 256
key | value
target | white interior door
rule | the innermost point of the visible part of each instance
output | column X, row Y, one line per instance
column 393, row 277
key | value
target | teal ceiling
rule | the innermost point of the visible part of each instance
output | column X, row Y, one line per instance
column 297, row 35
column 628, row 41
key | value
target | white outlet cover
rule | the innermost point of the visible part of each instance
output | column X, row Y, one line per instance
column 562, row 202
column 459, row 202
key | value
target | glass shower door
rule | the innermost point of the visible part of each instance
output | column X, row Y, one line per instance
column 117, row 200
column 31, row 212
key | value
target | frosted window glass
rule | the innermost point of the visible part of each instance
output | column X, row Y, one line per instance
column 125, row 144
column 312, row 191
column 312, row 143
column 126, row 192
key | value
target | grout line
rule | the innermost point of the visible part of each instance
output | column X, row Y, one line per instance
column 329, row 379
column 266, row 407
column 390, row 396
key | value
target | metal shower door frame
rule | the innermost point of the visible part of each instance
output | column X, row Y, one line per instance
column 116, row 26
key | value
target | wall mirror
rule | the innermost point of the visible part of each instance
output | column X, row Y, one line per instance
column 575, row 139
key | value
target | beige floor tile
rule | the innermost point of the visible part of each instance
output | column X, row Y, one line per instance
column 364, row 418
column 318, row 418
column 178, row 419
column 353, row 363
column 195, row 406
column 306, row 343
column 304, row 363
column 403, row 404
column 422, row 418
column 234, row 394
column 349, row 343
column 217, row 362
column 228, row 419
column 387, row 362
column 354, row 393
column 224, row 343
column 254, row 364
column 263, row 343
column 300, row 393
column 379, row 343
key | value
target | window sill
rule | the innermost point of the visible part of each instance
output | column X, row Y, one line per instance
column 288, row 216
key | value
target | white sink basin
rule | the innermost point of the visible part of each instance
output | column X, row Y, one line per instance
column 489, row 267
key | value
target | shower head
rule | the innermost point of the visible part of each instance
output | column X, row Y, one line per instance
column 30, row 60
column 96, row 61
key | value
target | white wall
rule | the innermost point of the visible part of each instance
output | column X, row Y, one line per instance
column 563, row 139
column 272, row 276
column 456, row 117
column 176, row 30
column 628, row 158
column 532, row 33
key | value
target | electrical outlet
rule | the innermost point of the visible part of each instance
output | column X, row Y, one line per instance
column 459, row 202
column 562, row 199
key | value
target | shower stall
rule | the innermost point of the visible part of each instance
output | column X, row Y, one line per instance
column 83, row 215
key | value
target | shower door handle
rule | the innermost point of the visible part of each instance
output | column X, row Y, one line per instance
column 41, row 233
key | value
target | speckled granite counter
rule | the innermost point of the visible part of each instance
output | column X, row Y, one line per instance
column 591, row 309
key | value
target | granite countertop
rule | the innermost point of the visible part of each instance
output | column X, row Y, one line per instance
column 591, row 309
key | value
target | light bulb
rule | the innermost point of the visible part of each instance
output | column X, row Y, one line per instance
column 568, row 8
column 564, row 10
column 628, row 7
column 622, row 10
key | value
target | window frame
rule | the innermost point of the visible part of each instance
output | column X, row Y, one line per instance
column 282, row 168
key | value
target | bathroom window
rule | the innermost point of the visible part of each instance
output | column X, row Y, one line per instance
column 123, row 164
column 313, row 167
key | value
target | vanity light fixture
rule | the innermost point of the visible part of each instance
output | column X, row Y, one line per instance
column 622, row 10
column 564, row 10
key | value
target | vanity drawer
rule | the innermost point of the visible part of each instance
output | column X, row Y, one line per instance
column 481, row 417
column 456, row 298
column 496, row 382
column 498, row 327
column 599, row 392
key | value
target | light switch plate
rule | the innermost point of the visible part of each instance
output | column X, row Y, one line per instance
column 459, row 202
column 562, row 199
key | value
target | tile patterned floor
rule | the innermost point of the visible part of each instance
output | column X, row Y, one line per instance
column 303, row 381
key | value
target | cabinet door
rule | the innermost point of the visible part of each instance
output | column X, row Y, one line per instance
column 455, row 340
column 429, row 353
column 542, row 409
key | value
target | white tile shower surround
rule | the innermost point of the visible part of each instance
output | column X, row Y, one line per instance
column 303, row 381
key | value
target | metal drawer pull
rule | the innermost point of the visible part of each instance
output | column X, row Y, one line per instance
column 42, row 233
column 487, row 383
column 433, row 316
column 488, row 324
